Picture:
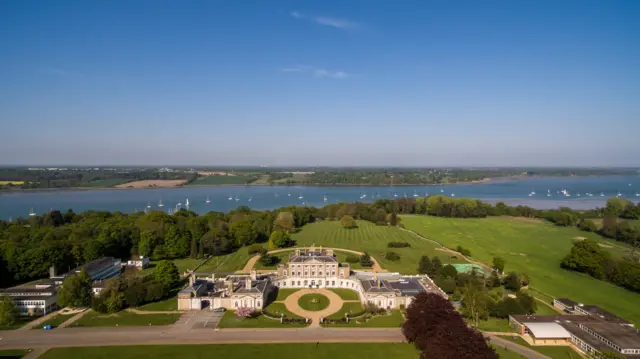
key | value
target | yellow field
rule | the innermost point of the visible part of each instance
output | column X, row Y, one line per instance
column 15, row 183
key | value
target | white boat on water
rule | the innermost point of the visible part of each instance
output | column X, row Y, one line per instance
column 187, row 203
column 300, row 197
column 160, row 204
column 453, row 195
column 208, row 200
column 237, row 199
column 148, row 204
column 250, row 198
column 325, row 198
column 441, row 190
column 230, row 198
column 31, row 213
column 601, row 194
column 395, row 194
column 415, row 194
column 289, row 194
column 548, row 193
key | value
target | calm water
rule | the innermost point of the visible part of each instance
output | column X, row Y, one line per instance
column 513, row 192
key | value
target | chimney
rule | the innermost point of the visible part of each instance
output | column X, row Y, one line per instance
column 253, row 274
column 247, row 283
column 230, row 286
column 191, row 279
column 297, row 252
column 52, row 271
column 378, row 284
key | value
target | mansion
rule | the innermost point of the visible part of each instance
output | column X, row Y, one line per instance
column 306, row 268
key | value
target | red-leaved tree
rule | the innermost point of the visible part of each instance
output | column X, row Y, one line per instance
column 439, row 331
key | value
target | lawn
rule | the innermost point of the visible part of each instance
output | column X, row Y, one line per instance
column 280, row 308
column 284, row 293
column 227, row 263
column 182, row 264
column 507, row 354
column 346, row 294
column 314, row 302
column 554, row 352
column 55, row 321
column 372, row 239
column 124, row 318
column 535, row 248
column 165, row 305
column 393, row 320
column 349, row 307
column 20, row 321
column 231, row 320
column 221, row 180
column 542, row 309
column 242, row 351
column 495, row 325
column 13, row 353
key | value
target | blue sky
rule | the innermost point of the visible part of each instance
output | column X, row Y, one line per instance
column 424, row 83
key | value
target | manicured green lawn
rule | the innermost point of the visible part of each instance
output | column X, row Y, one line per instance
column 371, row 239
column 349, row 307
column 20, row 321
column 543, row 309
column 346, row 294
column 284, row 293
column 554, row 352
column 313, row 302
column 284, row 259
column 169, row 304
column 55, row 321
column 124, row 318
column 506, row 354
column 535, row 248
column 394, row 320
column 495, row 325
column 242, row 351
column 227, row 263
column 231, row 320
column 13, row 353
column 280, row 308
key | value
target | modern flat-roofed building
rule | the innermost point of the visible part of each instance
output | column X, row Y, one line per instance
column 141, row 262
column 99, row 269
column 33, row 299
column 564, row 304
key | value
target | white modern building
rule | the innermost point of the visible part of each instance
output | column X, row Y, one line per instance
column 33, row 299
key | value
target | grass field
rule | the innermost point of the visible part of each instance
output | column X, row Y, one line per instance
column 554, row 352
column 346, row 294
column 227, row 263
column 542, row 309
column 534, row 248
column 169, row 304
column 182, row 264
column 20, row 321
column 242, row 351
column 124, row 318
column 372, row 239
column 313, row 302
column 280, row 308
column 13, row 353
column 230, row 320
column 394, row 320
column 495, row 325
column 284, row 293
column 13, row 183
column 349, row 307
column 55, row 321
column 507, row 354
column 220, row 180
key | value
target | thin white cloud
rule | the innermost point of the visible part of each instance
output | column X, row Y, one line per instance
column 296, row 15
column 317, row 72
column 343, row 24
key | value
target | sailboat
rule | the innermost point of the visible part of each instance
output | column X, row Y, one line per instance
column 548, row 193
column 237, row 199
column 148, row 204
column 187, row 203
column 453, row 195
column 441, row 190
column 289, row 194
column 230, row 198
column 250, row 198
column 160, row 204
column 31, row 212
column 325, row 198
column 601, row 194
column 208, row 200
column 300, row 197
column 395, row 194
column 415, row 194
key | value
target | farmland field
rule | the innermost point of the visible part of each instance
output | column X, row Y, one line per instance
column 534, row 248
column 14, row 183
column 372, row 239
column 242, row 351
column 105, row 183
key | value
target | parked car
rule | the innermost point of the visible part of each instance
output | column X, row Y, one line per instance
column 219, row 310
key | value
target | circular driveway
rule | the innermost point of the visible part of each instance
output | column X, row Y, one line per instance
column 335, row 304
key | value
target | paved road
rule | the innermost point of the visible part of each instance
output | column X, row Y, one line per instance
column 69, row 337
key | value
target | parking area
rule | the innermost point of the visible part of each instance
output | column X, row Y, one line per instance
column 203, row 319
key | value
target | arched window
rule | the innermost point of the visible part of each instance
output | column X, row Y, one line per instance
column 333, row 273
column 285, row 273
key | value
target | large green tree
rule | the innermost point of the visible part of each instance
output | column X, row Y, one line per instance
column 167, row 273
column 279, row 239
column 8, row 311
column 75, row 291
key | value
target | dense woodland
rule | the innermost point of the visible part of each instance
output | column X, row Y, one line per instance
column 28, row 247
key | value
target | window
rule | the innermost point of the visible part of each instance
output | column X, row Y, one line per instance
column 236, row 304
column 257, row 303
column 285, row 273
column 298, row 282
column 333, row 282
column 320, row 273
column 305, row 282
column 333, row 273
column 313, row 274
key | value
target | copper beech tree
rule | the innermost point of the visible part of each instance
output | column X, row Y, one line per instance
column 439, row 331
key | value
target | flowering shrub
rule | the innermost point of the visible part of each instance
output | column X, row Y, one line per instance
column 244, row 312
